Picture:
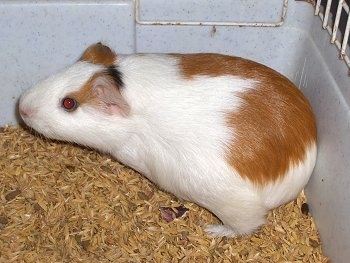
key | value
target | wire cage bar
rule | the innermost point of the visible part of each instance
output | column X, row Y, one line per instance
column 331, row 23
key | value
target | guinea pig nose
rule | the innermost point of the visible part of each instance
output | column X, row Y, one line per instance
column 25, row 112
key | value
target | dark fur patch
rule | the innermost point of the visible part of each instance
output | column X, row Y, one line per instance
column 116, row 75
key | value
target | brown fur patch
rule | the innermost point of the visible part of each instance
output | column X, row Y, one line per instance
column 102, row 92
column 99, row 54
column 214, row 65
column 275, row 123
column 273, row 129
column 87, row 95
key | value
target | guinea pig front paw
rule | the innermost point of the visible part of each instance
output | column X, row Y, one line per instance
column 220, row 231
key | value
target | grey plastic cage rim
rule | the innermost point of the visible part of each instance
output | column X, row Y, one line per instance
column 209, row 23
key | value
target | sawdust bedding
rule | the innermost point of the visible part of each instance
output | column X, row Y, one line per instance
column 64, row 203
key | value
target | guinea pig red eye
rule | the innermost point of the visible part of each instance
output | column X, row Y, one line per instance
column 69, row 104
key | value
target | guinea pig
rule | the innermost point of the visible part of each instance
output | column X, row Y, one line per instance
column 227, row 133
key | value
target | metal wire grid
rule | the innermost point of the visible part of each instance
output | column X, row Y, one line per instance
column 210, row 23
column 340, row 39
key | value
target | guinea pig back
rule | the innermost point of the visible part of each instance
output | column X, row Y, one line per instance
column 229, row 134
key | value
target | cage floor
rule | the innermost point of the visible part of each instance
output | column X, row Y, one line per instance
column 65, row 203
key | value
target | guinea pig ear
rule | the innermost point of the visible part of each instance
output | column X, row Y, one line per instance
column 99, row 54
column 108, row 96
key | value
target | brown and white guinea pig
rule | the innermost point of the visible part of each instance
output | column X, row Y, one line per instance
column 229, row 134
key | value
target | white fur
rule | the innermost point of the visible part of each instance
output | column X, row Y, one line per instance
column 176, row 135
column 293, row 182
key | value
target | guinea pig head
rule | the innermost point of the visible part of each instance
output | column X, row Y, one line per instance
column 80, row 102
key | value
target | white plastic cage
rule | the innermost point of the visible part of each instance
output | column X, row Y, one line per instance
column 39, row 37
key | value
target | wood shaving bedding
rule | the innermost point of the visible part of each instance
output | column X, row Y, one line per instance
column 64, row 203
